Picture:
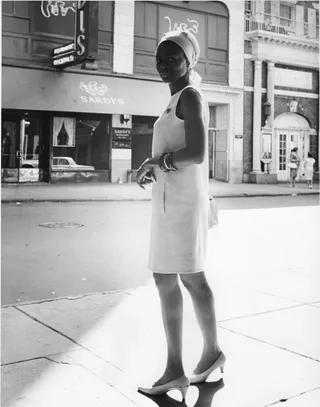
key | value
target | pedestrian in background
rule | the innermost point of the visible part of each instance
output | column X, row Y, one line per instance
column 308, row 169
column 294, row 166
column 179, row 167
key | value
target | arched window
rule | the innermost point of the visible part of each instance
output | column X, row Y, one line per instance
column 209, row 21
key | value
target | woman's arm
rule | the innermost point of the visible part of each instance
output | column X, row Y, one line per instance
column 194, row 151
column 191, row 110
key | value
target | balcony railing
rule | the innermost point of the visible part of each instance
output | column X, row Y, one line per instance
column 281, row 25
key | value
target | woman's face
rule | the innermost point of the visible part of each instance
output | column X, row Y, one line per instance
column 171, row 62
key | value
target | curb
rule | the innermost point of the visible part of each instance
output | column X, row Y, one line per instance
column 121, row 199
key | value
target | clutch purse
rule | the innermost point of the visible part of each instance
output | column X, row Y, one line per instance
column 213, row 212
column 292, row 165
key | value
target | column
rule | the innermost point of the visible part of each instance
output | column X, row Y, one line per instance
column 123, row 36
column 270, row 91
column 256, row 139
column 270, row 96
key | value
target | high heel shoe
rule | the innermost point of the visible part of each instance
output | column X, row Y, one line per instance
column 202, row 377
column 181, row 384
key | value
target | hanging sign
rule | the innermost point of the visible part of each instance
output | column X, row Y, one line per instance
column 76, row 52
column 121, row 138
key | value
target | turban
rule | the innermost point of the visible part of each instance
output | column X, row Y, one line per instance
column 189, row 45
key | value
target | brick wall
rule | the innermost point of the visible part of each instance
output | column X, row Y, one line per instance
column 248, row 72
column 247, row 131
column 247, row 47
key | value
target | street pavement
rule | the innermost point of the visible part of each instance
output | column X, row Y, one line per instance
column 130, row 191
column 96, row 348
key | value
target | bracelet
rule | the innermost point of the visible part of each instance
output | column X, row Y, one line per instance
column 170, row 162
column 166, row 162
column 162, row 164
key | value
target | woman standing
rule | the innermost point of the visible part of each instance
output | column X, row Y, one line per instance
column 294, row 166
column 308, row 169
column 179, row 167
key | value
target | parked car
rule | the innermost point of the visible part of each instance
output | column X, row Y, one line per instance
column 68, row 164
column 59, row 163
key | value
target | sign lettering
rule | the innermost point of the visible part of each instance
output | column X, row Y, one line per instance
column 64, row 60
column 183, row 26
column 76, row 52
column 63, row 49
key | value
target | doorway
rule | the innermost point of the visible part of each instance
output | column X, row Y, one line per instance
column 291, row 130
column 21, row 148
column 218, row 154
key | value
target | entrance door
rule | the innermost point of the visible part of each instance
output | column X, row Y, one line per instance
column 220, row 155
column 20, row 149
column 10, row 147
column 283, row 157
column 29, row 150
column 287, row 140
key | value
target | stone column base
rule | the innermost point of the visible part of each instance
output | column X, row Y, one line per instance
column 262, row 178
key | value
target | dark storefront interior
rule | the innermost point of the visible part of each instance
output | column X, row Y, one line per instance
column 81, row 147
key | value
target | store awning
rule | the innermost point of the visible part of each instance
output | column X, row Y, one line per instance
column 70, row 92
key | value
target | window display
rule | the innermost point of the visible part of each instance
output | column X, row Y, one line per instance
column 80, row 144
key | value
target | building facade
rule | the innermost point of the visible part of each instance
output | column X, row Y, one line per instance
column 281, row 87
column 93, row 121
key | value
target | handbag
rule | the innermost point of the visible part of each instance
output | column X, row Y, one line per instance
column 292, row 165
column 213, row 212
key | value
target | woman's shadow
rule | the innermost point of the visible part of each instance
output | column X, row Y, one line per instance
column 207, row 390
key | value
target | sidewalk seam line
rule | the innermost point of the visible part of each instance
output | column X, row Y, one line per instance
column 89, row 371
column 69, row 298
column 270, row 344
column 293, row 397
column 261, row 313
column 66, row 337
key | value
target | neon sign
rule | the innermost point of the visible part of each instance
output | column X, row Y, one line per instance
column 76, row 52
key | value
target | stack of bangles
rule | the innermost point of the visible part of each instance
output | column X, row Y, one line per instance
column 166, row 162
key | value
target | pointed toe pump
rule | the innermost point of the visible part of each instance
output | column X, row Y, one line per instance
column 181, row 384
column 202, row 377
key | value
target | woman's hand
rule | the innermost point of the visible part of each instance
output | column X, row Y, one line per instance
column 145, row 174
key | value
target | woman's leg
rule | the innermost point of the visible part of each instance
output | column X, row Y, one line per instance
column 172, row 310
column 291, row 177
column 203, row 302
column 294, row 176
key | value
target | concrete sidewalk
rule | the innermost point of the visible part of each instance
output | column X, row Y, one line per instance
column 96, row 349
column 127, row 192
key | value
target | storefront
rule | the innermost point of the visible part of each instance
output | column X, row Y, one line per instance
column 59, row 126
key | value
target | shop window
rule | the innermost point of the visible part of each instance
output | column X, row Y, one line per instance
column 80, row 144
column 209, row 21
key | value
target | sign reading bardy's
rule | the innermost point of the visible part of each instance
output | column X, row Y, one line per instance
column 77, row 51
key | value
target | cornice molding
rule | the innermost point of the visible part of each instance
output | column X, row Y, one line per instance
column 221, row 89
column 273, row 38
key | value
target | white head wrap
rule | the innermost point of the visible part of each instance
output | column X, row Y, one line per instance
column 189, row 45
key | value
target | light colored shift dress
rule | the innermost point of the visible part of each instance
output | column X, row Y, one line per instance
column 179, row 224
column 308, row 168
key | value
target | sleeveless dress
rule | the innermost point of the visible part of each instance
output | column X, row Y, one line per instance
column 179, row 223
column 309, row 168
